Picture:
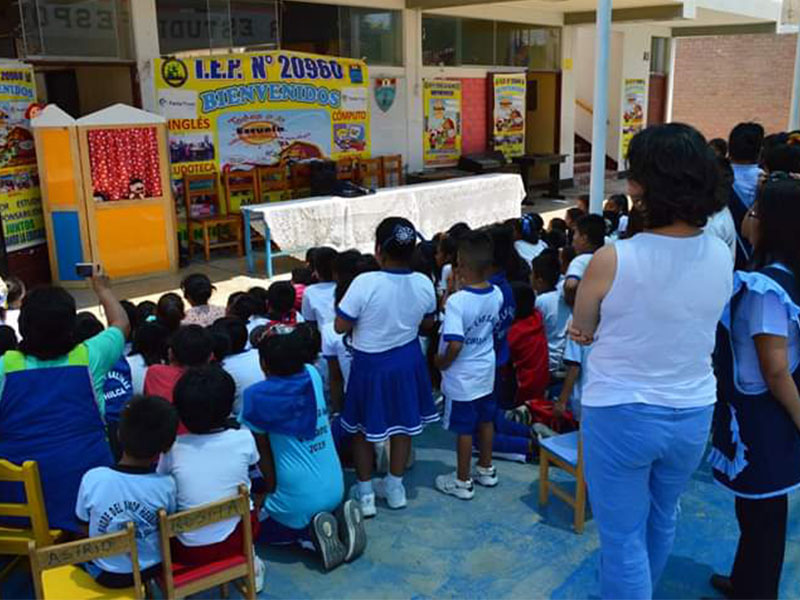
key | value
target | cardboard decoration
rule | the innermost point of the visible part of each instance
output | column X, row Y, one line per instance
column 106, row 192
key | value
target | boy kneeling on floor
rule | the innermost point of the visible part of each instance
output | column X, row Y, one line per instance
column 301, row 469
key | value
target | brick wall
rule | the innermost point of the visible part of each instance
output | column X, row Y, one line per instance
column 721, row 81
column 473, row 115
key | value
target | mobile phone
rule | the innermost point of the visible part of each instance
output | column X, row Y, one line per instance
column 84, row 270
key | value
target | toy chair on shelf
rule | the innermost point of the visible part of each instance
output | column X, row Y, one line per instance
column 273, row 184
column 238, row 186
column 14, row 541
column 392, row 166
column 206, row 215
column 179, row 580
column 370, row 172
column 346, row 169
column 56, row 574
column 300, row 176
column 566, row 452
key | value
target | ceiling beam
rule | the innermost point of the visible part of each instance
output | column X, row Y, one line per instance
column 742, row 29
column 664, row 12
column 434, row 4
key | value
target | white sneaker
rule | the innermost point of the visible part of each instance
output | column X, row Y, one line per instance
column 395, row 496
column 260, row 571
column 487, row 477
column 452, row 485
column 366, row 502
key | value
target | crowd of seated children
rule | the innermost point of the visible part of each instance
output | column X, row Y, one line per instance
column 298, row 461
column 110, row 497
column 197, row 290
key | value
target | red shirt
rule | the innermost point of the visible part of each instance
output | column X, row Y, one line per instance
column 160, row 380
column 528, row 342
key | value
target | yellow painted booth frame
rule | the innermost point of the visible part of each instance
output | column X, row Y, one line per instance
column 131, row 238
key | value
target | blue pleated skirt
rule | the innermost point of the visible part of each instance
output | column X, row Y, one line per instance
column 389, row 393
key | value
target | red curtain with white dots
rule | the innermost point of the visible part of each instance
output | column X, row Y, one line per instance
column 118, row 156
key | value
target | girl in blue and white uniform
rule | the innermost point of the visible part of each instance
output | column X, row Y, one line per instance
column 756, row 453
column 389, row 391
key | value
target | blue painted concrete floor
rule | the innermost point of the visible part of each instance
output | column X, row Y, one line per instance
column 501, row 544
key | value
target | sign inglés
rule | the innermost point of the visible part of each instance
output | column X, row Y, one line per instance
column 239, row 111
column 20, row 200
column 508, row 116
column 442, row 135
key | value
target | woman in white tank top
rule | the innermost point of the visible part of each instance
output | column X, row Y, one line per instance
column 649, row 306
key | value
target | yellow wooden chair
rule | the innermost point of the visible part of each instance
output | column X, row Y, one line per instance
column 55, row 575
column 14, row 541
column 179, row 580
column 273, row 183
column 370, row 172
column 566, row 452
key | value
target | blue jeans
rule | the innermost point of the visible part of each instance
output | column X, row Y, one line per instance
column 638, row 460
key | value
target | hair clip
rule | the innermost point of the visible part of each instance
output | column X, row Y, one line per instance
column 404, row 235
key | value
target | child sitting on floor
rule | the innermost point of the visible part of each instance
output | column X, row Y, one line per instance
column 467, row 362
column 280, row 304
column 170, row 311
column 545, row 275
column 110, row 497
column 575, row 357
column 240, row 363
column 317, row 304
column 302, row 277
column 208, row 464
column 301, row 469
column 528, row 342
column 197, row 290
column 190, row 346
column 528, row 240
column 590, row 236
column 149, row 348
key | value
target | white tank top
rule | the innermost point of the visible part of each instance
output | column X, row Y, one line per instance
column 658, row 323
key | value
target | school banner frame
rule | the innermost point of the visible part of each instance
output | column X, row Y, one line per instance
column 442, row 133
column 238, row 111
column 507, row 126
column 20, row 198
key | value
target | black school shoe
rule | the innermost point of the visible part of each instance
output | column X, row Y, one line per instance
column 325, row 535
column 722, row 584
column 351, row 526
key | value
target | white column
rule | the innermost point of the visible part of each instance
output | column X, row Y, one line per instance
column 412, row 39
column 600, row 117
column 568, row 57
column 145, row 44
column 794, row 118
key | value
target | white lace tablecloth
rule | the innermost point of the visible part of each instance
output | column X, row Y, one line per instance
column 350, row 222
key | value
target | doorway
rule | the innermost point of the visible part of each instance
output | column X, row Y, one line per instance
column 61, row 88
column 543, row 117
column 83, row 88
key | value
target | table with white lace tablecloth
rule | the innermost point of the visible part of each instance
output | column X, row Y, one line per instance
column 350, row 222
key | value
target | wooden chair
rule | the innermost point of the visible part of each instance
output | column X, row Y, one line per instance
column 14, row 541
column 204, row 186
column 300, row 178
column 55, row 574
column 566, row 452
column 242, row 184
column 273, row 183
column 178, row 580
column 346, row 169
column 370, row 172
column 392, row 166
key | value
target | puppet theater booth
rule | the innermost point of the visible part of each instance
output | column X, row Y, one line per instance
column 106, row 193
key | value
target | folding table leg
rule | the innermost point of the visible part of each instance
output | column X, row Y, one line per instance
column 248, row 242
column 268, row 248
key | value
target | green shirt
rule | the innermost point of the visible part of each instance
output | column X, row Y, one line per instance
column 105, row 349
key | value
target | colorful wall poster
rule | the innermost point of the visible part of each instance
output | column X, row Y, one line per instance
column 633, row 111
column 271, row 108
column 442, row 132
column 20, row 200
column 508, row 114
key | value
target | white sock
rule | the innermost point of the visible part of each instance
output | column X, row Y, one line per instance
column 393, row 482
column 365, row 487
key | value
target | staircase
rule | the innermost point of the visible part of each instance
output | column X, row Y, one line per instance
column 583, row 163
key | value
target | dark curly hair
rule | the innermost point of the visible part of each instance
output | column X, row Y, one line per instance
column 678, row 173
